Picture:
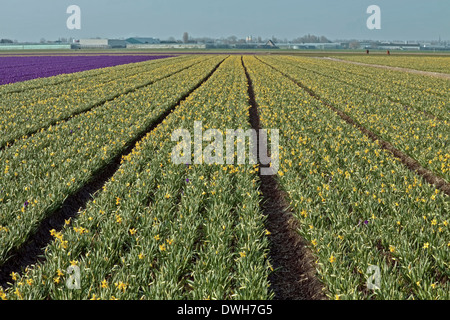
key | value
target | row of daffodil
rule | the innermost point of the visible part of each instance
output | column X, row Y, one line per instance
column 40, row 89
column 39, row 172
column 357, row 206
column 424, row 93
column 25, row 112
column 160, row 230
column 424, row 139
column 38, row 83
column 439, row 64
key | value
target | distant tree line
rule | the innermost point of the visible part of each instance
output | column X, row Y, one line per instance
column 186, row 38
column 310, row 38
column 235, row 40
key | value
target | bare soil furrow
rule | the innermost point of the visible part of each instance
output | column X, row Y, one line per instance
column 294, row 277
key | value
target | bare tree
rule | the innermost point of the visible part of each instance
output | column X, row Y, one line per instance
column 324, row 39
column 311, row 39
column 232, row 39
column 185, row 37
column 354, row 45
column 374, row 44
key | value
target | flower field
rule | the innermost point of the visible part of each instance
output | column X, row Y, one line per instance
column 395, row 117
column 88, row 182
column 439, row 64
column 45, row 106
column 16, row 69
column 357, row 205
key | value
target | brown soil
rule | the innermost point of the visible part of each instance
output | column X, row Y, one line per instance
column 294, row 277
column 389, row 258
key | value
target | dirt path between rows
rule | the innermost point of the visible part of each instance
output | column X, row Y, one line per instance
column 414, row 71
column 295, row 276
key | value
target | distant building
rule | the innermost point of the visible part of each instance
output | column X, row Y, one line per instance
column 433, row 47
column 35, row 46
column 166, row 46
column 117, row 44
column 139, row 40
column 311, row 46
column 94, row 44
column 270, row 44
column 366, row 45
column 101, row 44
column 398, row 46
column 243, row 46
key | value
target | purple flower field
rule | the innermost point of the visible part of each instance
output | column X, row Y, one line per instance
column 16, row 69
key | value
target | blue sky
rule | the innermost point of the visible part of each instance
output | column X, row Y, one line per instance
column 31, row 20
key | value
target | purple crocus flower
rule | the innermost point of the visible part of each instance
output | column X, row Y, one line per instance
column 26, row 204
column 366, row 222
column 187, row 180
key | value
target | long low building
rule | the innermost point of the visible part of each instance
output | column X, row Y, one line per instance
column 102, row 43
column 399, row 46
column 320, row 46
column 93, row 43
column 35, row 47
column 166, row 46
column 141, row 40
column 115, row 43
